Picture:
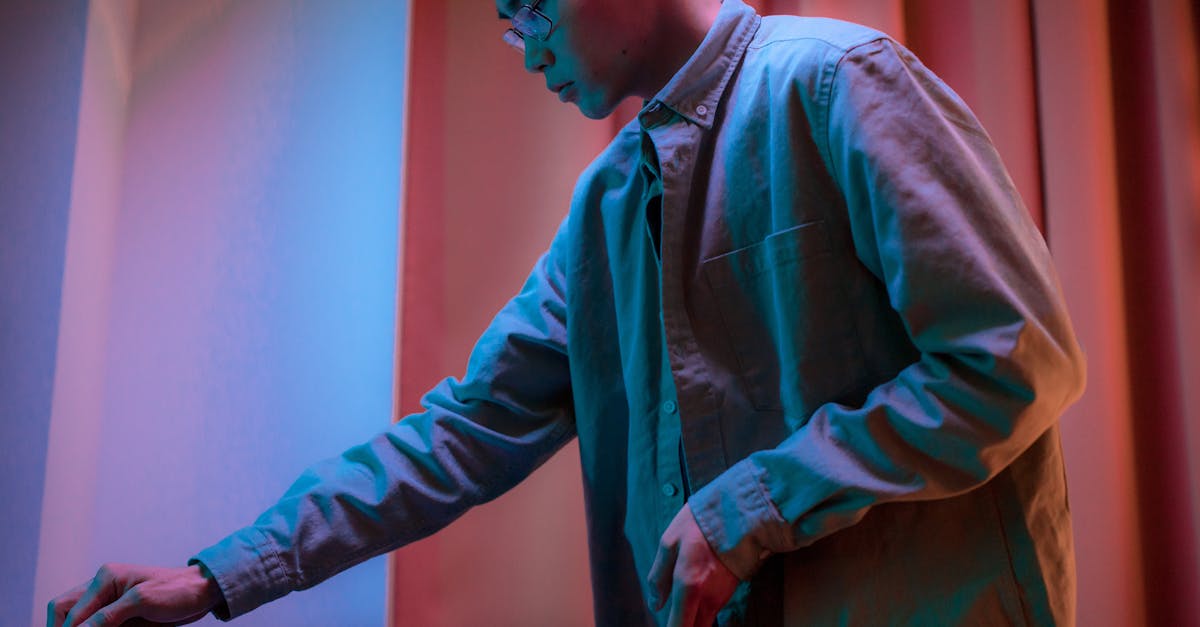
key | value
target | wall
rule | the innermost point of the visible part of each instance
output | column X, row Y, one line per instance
column 41, row 55
column 229, row 309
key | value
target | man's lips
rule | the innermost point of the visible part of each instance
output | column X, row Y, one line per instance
column 566, row 92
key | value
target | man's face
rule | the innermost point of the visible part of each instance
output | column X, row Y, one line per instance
column 593, row 54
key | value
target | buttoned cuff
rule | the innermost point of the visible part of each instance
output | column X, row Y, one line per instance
column 247, row 569
column 737, row 517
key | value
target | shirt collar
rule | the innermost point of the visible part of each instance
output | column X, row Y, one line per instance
column 696, row 88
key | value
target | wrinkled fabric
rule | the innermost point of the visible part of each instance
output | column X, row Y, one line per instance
column 799, row 291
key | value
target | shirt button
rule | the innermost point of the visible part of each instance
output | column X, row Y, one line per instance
column 669, row 489
column 669, row 407
column 701, row 109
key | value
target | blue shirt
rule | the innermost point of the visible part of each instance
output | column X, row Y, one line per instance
column 799, row 291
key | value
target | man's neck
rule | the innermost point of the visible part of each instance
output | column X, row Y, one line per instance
column 681, row 27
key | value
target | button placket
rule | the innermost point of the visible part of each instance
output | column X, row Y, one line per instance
column 701, row 439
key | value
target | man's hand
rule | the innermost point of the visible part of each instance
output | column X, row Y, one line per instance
column 126, row 592
column 689, row 575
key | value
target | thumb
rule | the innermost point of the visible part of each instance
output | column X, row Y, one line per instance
column 661, row 574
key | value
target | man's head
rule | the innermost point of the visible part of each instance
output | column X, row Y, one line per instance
column 598, row 52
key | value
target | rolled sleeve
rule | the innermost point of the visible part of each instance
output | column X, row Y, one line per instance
column 738, row 519
column 247, row 569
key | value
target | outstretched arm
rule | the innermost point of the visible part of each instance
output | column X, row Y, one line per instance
column 476, row 438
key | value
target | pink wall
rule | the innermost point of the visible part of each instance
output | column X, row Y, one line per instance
column 509, row 153
column 520, row 150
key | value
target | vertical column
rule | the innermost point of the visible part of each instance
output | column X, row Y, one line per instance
column 1176, row 36
column 1082, row 217
column 415, row 593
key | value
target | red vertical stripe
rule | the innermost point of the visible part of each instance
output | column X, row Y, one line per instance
column 1160, row 431
column 416, row 596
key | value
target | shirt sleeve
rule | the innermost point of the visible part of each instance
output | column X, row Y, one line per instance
column 935, row 217
column 476, row 438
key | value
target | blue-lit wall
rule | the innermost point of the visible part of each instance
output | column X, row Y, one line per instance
column 228, row 314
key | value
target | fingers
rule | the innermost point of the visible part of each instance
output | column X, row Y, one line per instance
column 56, row 611
column 661, row 573
column 684, row 607
column 117, row 612
column 100, row 592
column 688, row 573
column 690, row 607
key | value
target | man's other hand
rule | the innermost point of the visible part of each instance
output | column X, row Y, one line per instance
column 687, row 574
column 126, row 592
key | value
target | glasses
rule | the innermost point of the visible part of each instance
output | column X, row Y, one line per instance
column 528, row 22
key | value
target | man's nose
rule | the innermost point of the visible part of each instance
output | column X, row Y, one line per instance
column 537, row 56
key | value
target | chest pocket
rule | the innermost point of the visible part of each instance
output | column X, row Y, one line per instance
column 787, row 319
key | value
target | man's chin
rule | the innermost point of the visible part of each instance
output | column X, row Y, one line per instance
column 594, row 115
column 595, row 111
column 594, row 106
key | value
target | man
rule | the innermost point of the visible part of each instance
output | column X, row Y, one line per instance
column 811, row 344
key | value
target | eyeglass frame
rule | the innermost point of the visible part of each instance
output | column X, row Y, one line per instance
column 527, row 15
